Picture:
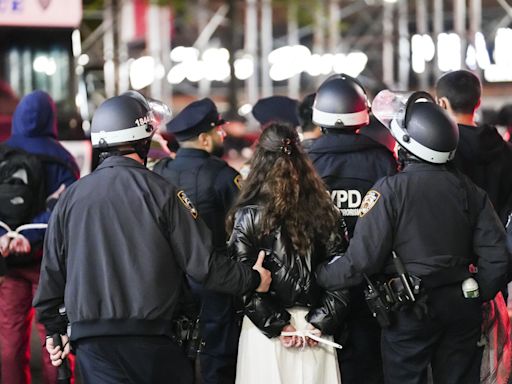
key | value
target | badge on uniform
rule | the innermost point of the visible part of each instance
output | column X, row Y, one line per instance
column 187, row 203
column 369, row 201
column 238, row 181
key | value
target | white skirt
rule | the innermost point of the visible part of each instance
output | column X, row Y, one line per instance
column 265, row 361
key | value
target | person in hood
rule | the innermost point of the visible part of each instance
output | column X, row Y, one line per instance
column 350, row 163
column 34, row 130
column 482, row 153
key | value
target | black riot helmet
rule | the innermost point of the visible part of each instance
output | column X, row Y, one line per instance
column 121, row 120
column 128, row 120
column 418, row 124
column 341, row 102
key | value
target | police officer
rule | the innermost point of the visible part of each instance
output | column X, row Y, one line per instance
column 115, row 254
column 438, row 223
column 350, row 163
column 212, row 186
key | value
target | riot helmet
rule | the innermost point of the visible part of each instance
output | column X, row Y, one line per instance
column 418, row 124
column 127, row 121
column 341, row 102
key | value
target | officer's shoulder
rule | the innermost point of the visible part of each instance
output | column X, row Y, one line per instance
column 222, row 168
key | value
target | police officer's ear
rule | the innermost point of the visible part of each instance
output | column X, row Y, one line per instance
column 204, row 139
column 444, row 103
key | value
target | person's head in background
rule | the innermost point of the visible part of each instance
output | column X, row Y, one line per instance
column 199, row 126
column 310, row 130
column 276, row 109
column 459, row 92
column 341, row 105
column 283, row 182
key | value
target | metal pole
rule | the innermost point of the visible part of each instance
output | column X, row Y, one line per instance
column 232, row 40
column 319, row 32
column 404, row 62
column 421, row 29
column 154, row 45
column 387, row 46
column 124, row 30
column 109, row 51
column 251, row 46
column 266, row 46
column 165, row 52
column 459, row 24
column 437, row 29
column 293, row 39
column 334, row 20
column 202, row 21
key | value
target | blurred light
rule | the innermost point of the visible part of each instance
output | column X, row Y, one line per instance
column 356, row 63
column 216, row 55
column 339, row 63
column 482, row 55
column 181, row 53
column 449, row 52
column 142, row 72
column 418, row 60
column 159, row 72
column 245, row 109
column 83, row 59
column 79, row 70
column 423, row 50
column 195, row 71
column 288, row 61
column 244, row 67
column 43, row 64
column 76, row 43
column 429, row 48
column 390, row 1
column 314, row 65
column 502, row 50
column 216, row 64
column 326, row 63
column 177, row 74
column 86, row 126
column 496, row 73
column 501, row 71
column 471, row 58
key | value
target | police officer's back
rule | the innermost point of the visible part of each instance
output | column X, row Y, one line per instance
column 350, row 163
column 212, row 185
column 115, row 254
column 438, row 223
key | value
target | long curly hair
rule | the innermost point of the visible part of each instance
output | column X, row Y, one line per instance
column 283, row 181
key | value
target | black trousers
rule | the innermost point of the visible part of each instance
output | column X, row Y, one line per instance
column 360, row 359
column 132, row 359
column 447, row 339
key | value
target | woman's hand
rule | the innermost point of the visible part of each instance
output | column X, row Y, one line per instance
column 311, row 342
column 291, row 341
column 288, row 341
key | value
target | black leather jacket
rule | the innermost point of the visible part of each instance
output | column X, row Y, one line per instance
column 293, row 280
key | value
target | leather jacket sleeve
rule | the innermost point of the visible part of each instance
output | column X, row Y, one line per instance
column 333, row 305
column 265, row 312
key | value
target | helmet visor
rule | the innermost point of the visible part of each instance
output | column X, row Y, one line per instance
column 390, row 106
column 160, row 114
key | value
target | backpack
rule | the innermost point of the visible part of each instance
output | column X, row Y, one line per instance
column 22, row 185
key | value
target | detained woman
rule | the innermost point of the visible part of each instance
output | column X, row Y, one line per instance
column 284, row 209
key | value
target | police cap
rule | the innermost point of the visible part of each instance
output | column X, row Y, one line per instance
column 196, row 118
column 277, row 108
